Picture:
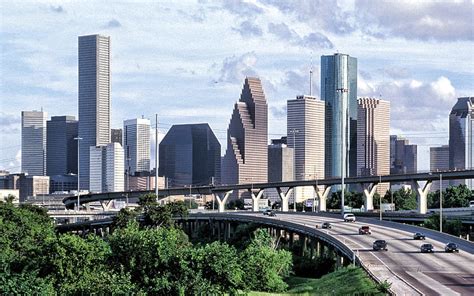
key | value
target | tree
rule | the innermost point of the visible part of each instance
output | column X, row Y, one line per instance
column 237, row 204
column 351, row 199
column 124, row 217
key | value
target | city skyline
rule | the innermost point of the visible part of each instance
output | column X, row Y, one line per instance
column 402, row 67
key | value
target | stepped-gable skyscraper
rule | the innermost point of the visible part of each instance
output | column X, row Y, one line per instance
column 94, row 98
column 246, row 158
column 339, row 84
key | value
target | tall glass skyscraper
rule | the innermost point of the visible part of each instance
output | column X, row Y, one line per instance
column 94, row 98
column 33, row 142
column 136, row 143
column 339, row 91
column 61, row 147
column 461, row 137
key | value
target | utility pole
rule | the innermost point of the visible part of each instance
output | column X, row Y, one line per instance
column 78, row 174
column 440, row 202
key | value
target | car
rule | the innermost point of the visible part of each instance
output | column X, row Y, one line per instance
column 419, row 235
column 427, row 248
column 349, row 217
column 364, row 230
column 379, row 244
column 326, row 225
column 272, row 214
column 267, row 212
column 451, row 247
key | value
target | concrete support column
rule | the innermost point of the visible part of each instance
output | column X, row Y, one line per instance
column 322, row 196
column 222, row 199
column 255, row 199
column 422, row 196
column 369, row 191
column 318, row 248
column 284, row 196
column 106, row 204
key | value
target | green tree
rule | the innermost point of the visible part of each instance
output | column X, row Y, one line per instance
column 124, row 217
column 235, row 204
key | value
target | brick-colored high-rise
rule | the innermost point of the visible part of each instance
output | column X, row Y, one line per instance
column 246, row 158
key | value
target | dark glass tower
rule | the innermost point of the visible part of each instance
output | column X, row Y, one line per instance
column 246, row 158
column 61, row 148
column 190, row 154
column 339, row 90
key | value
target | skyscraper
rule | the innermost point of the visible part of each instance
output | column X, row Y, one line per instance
column 403, row 156
column 305, row 131
column 106, row 168
column 339, row 91
column 33, row 142
column 136, row 144
column 94, row 98
column 190, row 155
column 461, row 139
column 439, row 161
column 61, row 148
column 246, row 157
column 373, row 139
column 116, row 135
column 280, row 166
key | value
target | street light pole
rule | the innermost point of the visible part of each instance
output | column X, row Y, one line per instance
column 380, row 198
column 440, row 202
column 78, row 174
column 156, row 155
column 294, row 131
column 343, row 145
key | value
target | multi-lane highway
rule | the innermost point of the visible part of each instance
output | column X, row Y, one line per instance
column 410, row 271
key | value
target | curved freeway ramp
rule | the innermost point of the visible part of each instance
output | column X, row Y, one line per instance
column 410, row 271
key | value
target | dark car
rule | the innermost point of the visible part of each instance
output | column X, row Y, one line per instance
column 427, row 248
column 419, row 235
column 379, row 244
column 326, row 225
column 272, row 214
column 365, row 230
column 451, row 247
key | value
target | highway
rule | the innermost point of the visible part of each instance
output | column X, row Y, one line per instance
column 410, row 271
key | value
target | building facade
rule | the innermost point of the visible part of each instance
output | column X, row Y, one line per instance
column 61, row 148
column 461, row 140
column 190, row 155
column 246, row 157
column 33, row 186
column 306, row 135
column 136, row 144
column 280, row 166
column 62, row 183
column 373, row 139
column 339, row 91
column 116, row 135
column 33, row 142
column 403, row 156
column 107, row 172
column 94, row 99
column 439, row 161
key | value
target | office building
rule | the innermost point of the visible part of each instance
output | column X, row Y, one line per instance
column 61, row 148
column 190, row 155
column 246, row 157
column 403, row 156
column 116, row 135
column 280, row 166
column 107, row 168
column 339, row 91
column 62, row 183
column 373, row 139
column 33, row 186
column 461, row 139
column 94, row 99
column 136, row 144
column 33, row 142
column 439, row 162
column 305, row 132
column 10, row 181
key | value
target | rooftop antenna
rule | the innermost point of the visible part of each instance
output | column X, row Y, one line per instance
column 311, row 76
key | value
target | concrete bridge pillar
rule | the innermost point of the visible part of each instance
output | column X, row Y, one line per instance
column 422, row 196
column 106, row 204
column 369, row 191
column 322, row 195
column 222, row 199
column 255, row 199
column 284, row 196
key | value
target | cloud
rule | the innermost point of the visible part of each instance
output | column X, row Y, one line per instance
column 420, row 20
column 235, row 68
column 242, row 8
column 298, row 81
column 57, row 9
column 113, row 23
column 199, row 16
column 279, row 112
column 9, row 123
column 248, row 29
column 313, row 40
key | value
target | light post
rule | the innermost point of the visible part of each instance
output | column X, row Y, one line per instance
column 343, row 145
column 314, row 197
column 190, row 195
column 294, row 131
column 440, row 202
column 128, row 178
column 78, row 173
column 380, row 198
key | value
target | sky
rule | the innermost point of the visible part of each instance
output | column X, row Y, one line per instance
column 187, row 60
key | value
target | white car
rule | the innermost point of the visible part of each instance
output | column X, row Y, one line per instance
column 349, row 218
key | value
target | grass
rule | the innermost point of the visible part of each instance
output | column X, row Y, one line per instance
column 345, row 281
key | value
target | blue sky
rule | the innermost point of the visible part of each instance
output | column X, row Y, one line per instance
column 186, row 60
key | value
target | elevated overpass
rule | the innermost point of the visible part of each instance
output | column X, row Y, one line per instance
column 222, row 192
column 410, row 271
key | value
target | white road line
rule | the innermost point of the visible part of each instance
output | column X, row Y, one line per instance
column 435, row 285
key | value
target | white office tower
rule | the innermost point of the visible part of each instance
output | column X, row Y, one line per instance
column 33, row 142
column 106, row 168
column 305, row 132
column 94, row 99
column 136, row 144
column 114, row 177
